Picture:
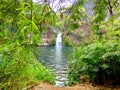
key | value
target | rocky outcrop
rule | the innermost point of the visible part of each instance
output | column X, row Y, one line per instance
column 83, row 31
column 75, row 37
column 47, row 37
column 78, row 35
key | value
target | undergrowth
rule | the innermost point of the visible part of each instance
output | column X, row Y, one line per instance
column 19, row 67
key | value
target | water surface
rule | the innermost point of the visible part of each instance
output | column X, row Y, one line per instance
column 56, row 59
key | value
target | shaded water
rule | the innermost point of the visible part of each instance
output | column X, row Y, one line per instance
column 56, row 59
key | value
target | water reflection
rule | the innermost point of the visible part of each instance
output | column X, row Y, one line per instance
column 56, row 59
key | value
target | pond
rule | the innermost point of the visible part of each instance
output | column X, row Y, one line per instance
column 56, row 59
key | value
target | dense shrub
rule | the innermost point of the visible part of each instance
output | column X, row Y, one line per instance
column 53, row 42
column 100, row 61
column 67, row 42
column 19, row 67
column 20, row 29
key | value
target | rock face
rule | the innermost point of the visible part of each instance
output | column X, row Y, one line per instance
column 73, row 38
column 83, row 30
column 76, row 36
column 47, row 37
column 89, row 10
column 80, row 34
column 89, row 6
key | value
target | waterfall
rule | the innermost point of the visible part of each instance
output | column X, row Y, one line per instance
column 59, row 40
column 59, row 36
column 58, row 59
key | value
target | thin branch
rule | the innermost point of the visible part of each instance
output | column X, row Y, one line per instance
column 53, row 3
column 115, row 3
column 109, row 3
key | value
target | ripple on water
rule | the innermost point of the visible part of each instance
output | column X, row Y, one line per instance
column 56, row 61
column 59, row 84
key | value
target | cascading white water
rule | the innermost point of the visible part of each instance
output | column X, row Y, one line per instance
column 59, row 77
column 59, row 40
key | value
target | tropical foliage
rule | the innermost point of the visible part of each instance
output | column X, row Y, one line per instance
column 21, row 24
column 98, row 60
column 20, row 28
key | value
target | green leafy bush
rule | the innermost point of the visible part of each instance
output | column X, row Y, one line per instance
column 100, row 61
column 20, row 27
column 67, row 42
column 53, row 42
column 19, row 67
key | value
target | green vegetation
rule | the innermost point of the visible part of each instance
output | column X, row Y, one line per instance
column 98, row 61
column 19, row 67
column 20, row 28
column 52, row 42
column 96, row 58
column 67, row 41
